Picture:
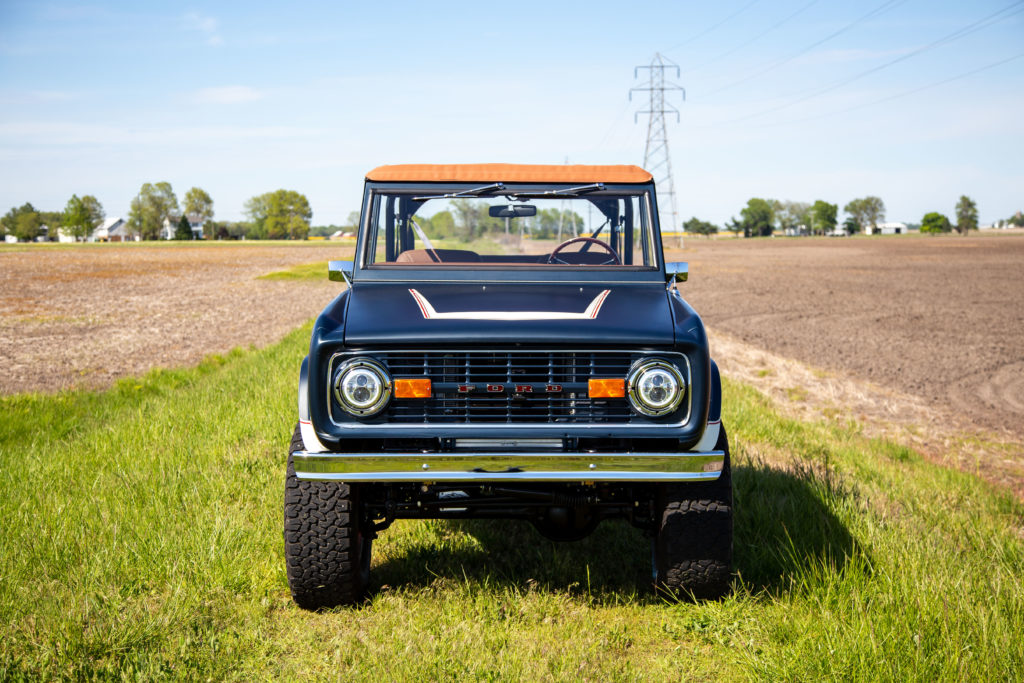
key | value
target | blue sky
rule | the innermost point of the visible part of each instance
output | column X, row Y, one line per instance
column 244, row 98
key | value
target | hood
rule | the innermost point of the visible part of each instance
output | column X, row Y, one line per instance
column 548, row 313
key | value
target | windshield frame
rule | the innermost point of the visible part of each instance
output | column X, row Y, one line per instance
column 503, row 272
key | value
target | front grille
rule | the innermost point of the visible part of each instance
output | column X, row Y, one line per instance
column 557, row 381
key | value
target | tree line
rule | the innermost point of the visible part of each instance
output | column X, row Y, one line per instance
column 286, row 214
column 466, row 219
column 762, row 217
column 281, row 214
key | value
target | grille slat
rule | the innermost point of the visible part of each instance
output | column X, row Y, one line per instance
column 571, row 370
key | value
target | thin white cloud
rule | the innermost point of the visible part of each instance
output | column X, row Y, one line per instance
column 206, row 25
column 228, row 94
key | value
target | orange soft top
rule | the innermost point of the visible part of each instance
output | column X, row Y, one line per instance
column 508, row 173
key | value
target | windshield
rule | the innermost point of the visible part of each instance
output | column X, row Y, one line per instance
column 562, row 226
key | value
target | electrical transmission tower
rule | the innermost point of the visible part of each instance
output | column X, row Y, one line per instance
column 657, row 159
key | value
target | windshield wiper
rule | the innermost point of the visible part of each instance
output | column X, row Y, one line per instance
column 465, row 193
column 569, row 191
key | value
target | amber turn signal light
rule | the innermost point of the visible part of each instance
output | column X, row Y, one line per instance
column 412, row 388
column 607, row 388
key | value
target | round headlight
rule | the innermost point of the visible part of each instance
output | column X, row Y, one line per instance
column 655, row 387
column 362, row 386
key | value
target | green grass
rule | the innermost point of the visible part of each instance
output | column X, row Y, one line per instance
column 141, row 538
column 305, row 271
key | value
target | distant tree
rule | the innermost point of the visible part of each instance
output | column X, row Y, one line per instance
column 9, row 222
column 823, row 217
column 734, row 226
column 966, row 215
column 466, row 213
column 545, row 224
column 443, row 224
column 154, row 204
column 868, row 212
column 549, row 224
column 699, row 227
column 935, row 223
column 791, row 215
column 183, row 230
column 27, row 226
column 198, row 206
column 1016, row 220
column 82, row 216
column 352, row 222
column 874, row 210
column 851, row 226
column 217, row 230
column 282, row 214
column 758, row 218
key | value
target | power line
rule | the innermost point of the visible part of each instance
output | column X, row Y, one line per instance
column 905, row 93
column 712, row 28
column 754, row 39
column 657, row 159
column 881, row 9
column 955, row 35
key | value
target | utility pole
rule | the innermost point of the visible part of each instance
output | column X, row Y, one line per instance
column 561, row 215
column 657, row 159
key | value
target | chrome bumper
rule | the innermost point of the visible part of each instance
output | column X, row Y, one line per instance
column 508, row 466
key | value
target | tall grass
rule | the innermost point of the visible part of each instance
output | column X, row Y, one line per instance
column 141, row 537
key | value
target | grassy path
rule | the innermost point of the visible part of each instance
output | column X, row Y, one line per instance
column 142, row 538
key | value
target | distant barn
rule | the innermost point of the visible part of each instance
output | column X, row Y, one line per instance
column 887, row 229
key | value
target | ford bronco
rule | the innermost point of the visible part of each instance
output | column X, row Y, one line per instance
column 510, row 345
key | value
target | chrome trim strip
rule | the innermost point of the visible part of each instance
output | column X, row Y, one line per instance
column 509, row 466
column 710, row 436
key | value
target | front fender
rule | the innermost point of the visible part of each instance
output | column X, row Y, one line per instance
column 309, row 437
column 714, row 424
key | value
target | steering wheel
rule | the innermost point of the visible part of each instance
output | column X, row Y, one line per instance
column 588, row 240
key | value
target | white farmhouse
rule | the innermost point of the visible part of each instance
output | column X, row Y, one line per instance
column 170, row 227
column 102, row 232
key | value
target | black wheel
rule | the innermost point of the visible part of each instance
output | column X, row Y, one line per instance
column 326, row 554
column 693, row 546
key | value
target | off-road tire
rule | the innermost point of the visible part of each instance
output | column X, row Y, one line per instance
column 326, row 555
column 693, row 545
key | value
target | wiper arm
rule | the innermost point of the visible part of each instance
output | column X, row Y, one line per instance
column 569, row 191
column 465, row 193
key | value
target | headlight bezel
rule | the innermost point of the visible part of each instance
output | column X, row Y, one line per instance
column 373, row 367
column 633, row 387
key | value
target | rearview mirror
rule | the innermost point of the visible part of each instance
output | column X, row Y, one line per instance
column 512, row 211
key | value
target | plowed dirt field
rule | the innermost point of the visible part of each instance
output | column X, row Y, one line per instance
column 937, row 318
column 940, row 318
column 85, row 315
